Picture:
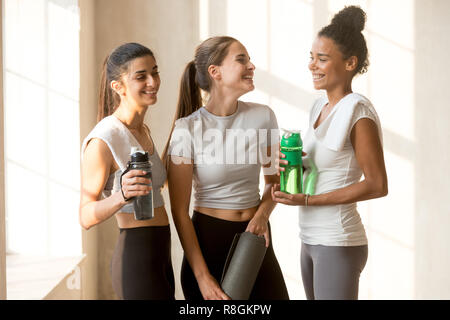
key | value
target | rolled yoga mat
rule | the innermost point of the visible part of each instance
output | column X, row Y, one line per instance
column 242, row 265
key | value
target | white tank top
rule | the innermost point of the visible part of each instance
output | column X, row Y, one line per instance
column 120, row 141
column 329, row 147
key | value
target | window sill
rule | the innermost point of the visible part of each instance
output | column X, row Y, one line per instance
column 33, row 278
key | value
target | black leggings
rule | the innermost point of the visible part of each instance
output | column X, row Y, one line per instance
column 141, row 267
column 215, row 237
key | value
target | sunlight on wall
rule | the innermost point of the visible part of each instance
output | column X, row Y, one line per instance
column 393, row 91
column 278, row 35
column 390, row 221
column 248, row 22
column 42, row 127
column 291, row 34
column 203, row 19
column 334, row 6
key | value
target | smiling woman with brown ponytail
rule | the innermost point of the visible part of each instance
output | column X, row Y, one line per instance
column 141, row 267
column 227, row 199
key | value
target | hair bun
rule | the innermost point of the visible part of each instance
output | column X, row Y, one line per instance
column 350, row 17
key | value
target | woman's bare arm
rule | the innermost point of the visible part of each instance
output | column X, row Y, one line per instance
column 369, row 154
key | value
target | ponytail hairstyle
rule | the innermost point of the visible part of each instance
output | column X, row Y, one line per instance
column 114, row 66
column 346, row 31
column 196, row 77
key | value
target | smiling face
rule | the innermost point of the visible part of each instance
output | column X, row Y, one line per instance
column 328, row 66
column 236, row 71
column 141, row 83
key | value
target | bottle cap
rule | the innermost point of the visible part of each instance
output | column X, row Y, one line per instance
column 138, row 155
column 291, row 139
column 287, row 133
column 136, row 149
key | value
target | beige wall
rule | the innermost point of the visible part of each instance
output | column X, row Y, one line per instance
column 88, row 116
column 72, row 287
column 169, row 29
column 407, row 230
column 432, row 150
column 2, row 176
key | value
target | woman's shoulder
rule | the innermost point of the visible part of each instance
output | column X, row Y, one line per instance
column 107, row 130
column 256, row 109
column 186, row 122
column 253, row 106
column 357, row 105
column 258, row 115
column 108, row 123
column 356, row 99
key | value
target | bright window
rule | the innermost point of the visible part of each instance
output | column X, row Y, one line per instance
column 41, row 119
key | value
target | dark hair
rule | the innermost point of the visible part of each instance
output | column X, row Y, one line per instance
column 212, row 51
column 346, row 31
column 114, row 66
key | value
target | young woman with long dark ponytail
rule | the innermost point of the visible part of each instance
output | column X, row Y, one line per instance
column 226, row 191
column 344, row 141
column 141, row 266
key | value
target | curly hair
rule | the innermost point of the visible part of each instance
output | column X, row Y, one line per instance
column 345, row 30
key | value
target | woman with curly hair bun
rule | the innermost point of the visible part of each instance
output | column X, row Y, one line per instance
column 343, row 141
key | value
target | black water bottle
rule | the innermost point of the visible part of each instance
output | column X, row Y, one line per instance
column 143, row 205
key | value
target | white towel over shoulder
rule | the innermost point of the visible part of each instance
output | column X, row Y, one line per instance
column 334, row 131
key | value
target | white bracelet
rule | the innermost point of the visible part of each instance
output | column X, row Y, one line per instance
column 306, row 200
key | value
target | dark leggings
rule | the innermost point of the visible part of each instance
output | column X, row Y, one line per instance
column 141, row 267
column 215, row 237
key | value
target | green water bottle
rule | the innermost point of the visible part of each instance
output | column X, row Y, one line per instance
column 291, row 179
column 309, row 185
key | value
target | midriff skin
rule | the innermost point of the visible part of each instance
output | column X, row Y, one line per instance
column 126, row 220
column 229, row 214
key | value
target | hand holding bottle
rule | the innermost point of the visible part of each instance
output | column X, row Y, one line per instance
column 281, row 161
column 139, row 182
column 298, row 199
column 291, row 178
column 135, row 184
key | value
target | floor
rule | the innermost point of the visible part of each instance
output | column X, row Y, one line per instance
column 33, row 277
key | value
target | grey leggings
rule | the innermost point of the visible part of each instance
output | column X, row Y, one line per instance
column 332, row 273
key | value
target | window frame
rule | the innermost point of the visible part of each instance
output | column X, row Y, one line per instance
column 2, row 174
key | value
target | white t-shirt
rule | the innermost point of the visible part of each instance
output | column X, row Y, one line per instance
column 227, row 153
column 329, row 147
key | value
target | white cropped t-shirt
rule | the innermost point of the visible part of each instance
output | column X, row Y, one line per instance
column 330, row 148
column 227, row 153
